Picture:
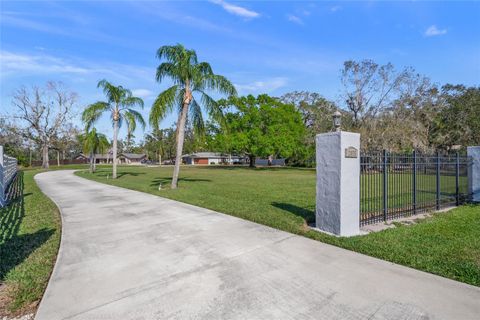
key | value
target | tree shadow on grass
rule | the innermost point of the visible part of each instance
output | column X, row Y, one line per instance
column 15, row 248
column 120, row 174
column 257, row 168
column 166, row 181
column 308, row 215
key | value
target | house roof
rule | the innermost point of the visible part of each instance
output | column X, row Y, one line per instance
column 110, row 156
column 134, row 155
column 97, row 156
column 210, row 155
column 205, row 155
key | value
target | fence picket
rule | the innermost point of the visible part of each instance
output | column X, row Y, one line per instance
column 8, row 171
column 399, row 185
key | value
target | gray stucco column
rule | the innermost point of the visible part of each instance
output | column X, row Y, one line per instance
column 474, row 173
column 338, row 183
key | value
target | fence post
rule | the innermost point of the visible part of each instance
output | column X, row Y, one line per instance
column 385, row 186
column 414, row 181
column 474, row 173
column 338, row 183
column 457, row 173
column 438, row 182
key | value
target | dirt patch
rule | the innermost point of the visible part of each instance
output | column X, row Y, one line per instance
column 26, row 313
column 402, row 221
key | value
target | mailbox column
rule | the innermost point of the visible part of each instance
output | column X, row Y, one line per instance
column 338, row 183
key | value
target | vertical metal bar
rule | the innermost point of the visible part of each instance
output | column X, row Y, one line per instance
column 385, row 187
column 457, row 172
column 438, row 182
column 414, row 182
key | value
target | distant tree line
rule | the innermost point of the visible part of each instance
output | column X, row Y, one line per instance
column 397, row 110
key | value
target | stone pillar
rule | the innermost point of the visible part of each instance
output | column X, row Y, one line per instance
column 474, row 173
column 338, row 183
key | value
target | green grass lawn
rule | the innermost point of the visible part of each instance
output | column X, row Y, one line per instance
column 30, row 231
column 447, row 244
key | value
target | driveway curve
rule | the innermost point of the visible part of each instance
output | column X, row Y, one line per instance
column 130, row 255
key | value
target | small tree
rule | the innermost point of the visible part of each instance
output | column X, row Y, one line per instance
column 120, row 104
column 93, row 143
column 43, row 113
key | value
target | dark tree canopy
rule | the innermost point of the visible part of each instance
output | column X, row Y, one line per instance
column 260, row 127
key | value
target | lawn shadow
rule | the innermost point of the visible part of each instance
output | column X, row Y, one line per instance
column 155, row 182
column 15, row 248
column 257, row 168
column 120, row 174
column 18, row 247
column 306, row 214
column 128, row 173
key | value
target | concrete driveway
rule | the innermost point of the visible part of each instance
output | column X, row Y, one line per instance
column 130, row 255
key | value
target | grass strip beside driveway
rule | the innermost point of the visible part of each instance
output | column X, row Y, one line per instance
column 30, row 230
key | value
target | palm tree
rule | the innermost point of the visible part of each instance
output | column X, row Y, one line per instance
column 119, row 104
column 93, row 143
column 192, row 80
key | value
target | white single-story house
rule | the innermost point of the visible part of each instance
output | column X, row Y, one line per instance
column 207, row 158
column 132, row 158
column 127, row 158
column 99, row 158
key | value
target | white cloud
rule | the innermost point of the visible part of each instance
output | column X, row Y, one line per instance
column 294, row 19
column 335, row 8
column 142, row 93
column 265, row 86
column 236, row 10
column 82, row 32
column 21, row 64
column 29, row 24
column 14, row 62
column 434, row 31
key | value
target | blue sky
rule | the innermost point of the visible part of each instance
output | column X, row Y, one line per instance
column 262, row 46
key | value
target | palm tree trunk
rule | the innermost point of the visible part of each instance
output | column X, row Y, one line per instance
column 58, row 158
column 91, row 162
column 114, row 160
column 180, row 138
column 45, row 160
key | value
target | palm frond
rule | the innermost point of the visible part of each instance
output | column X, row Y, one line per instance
column 162, row 105
column 220, row 84
column 130, row 102
column 211, row 106
column 196, row 117
column 171, row 53
column 168, row 69
column 136, row 117
column 204, row 68
column 103, row 143
column 131, row 123
column 94, row 142
column 110, row 91
column 93, row 112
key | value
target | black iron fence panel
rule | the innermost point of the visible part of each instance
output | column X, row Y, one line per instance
column 393, row 186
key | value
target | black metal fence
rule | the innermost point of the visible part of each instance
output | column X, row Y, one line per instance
column 399, row 185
